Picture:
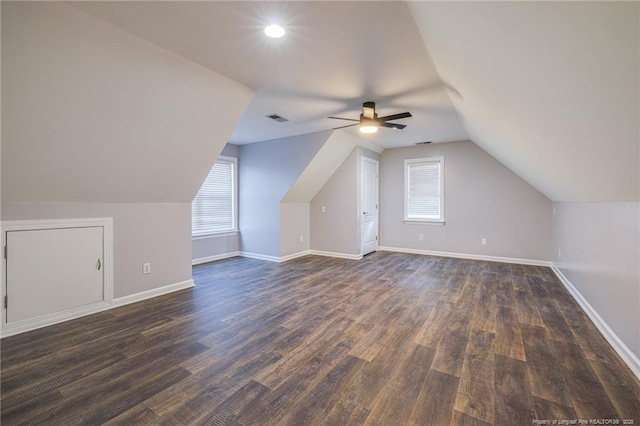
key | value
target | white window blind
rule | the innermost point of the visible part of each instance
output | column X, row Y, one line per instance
column 424, row 187
column 213, row 209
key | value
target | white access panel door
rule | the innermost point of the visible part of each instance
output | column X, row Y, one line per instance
column 369, row 205
column 50, row 270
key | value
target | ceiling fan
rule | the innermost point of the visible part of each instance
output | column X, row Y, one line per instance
column 369, row 120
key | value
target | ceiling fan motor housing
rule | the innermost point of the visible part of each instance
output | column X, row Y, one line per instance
column 369, row 120
column 369, row 111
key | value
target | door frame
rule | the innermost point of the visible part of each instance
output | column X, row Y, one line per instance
column 364, row 159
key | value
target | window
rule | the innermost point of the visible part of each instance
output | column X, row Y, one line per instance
column 214, row 208
column 424, row 189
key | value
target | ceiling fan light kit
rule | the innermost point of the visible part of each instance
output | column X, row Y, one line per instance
column 368, row 129
column 369, row 120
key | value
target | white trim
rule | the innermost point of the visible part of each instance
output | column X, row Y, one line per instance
column 220, row 234
column 532, row 262
column 614, row 340
column 234, row 198
column 18, row 225
column 208, row 259
column 424, row 222
column 300, row 254
column 93, row 308
column 274, row 258
column 53, row 318
column 407, row 162
column 154, row 292
column 259, row 256
column 334, row 254
column 294, row 255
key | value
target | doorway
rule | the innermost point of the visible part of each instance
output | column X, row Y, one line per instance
column 368, row 205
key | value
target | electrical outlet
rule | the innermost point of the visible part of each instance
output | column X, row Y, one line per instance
column 559, row 252
column 483, row 241
column 301, row 238
column 421, row 237
column 146, row 268
column 323, row 209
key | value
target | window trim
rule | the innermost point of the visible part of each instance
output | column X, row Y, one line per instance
column 407, row 162
column 234, row 201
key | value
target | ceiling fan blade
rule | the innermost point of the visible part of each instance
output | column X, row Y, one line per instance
column 393, row 125
column 340, row 118
column 342, row 127
column 395, row 116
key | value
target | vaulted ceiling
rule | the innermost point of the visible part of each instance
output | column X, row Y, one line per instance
column 93, row 114
column 551, row 89
column 335, row 56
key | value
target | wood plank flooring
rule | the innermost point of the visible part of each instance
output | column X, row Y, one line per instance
column 392, row 339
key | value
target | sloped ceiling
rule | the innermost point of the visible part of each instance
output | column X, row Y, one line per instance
column 335, row 56
column 91, row 113
column 550, row 89
column 318, row 172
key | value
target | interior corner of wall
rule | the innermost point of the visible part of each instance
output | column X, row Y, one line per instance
column 335, row 150
column 371, row 146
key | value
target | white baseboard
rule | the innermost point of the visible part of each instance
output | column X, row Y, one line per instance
column 143, row 295
column 93, row 308
column 208, row 259
column 274, row 258
column 630, row 358
column 516, row 260
column 335, row 254
column 259, row 256
column 614, row 340
column 300, row 254
column 294, row 255
column 53, row 318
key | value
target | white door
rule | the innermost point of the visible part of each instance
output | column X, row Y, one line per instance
column 50, row 270
column 368, row 205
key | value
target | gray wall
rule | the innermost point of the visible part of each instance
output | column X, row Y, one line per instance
column 596, row 246
column 483, row 199
column 294, row 226
column 155, row 233
column 267, row 171
column 91, row 113
column 338, row 230
column 99, row 123
column 217, row 245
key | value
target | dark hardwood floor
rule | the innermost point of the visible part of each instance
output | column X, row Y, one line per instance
column 390, row 340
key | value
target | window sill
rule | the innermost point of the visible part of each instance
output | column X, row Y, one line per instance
column 216, row 235
column 424, row 222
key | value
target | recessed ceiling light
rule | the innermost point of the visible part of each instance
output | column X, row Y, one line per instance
column 274, row 31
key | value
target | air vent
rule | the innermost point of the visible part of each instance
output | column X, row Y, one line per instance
column 423, row 143
column 277, row 118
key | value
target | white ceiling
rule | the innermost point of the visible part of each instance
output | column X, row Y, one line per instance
column 550, row 89
column 335, row 56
